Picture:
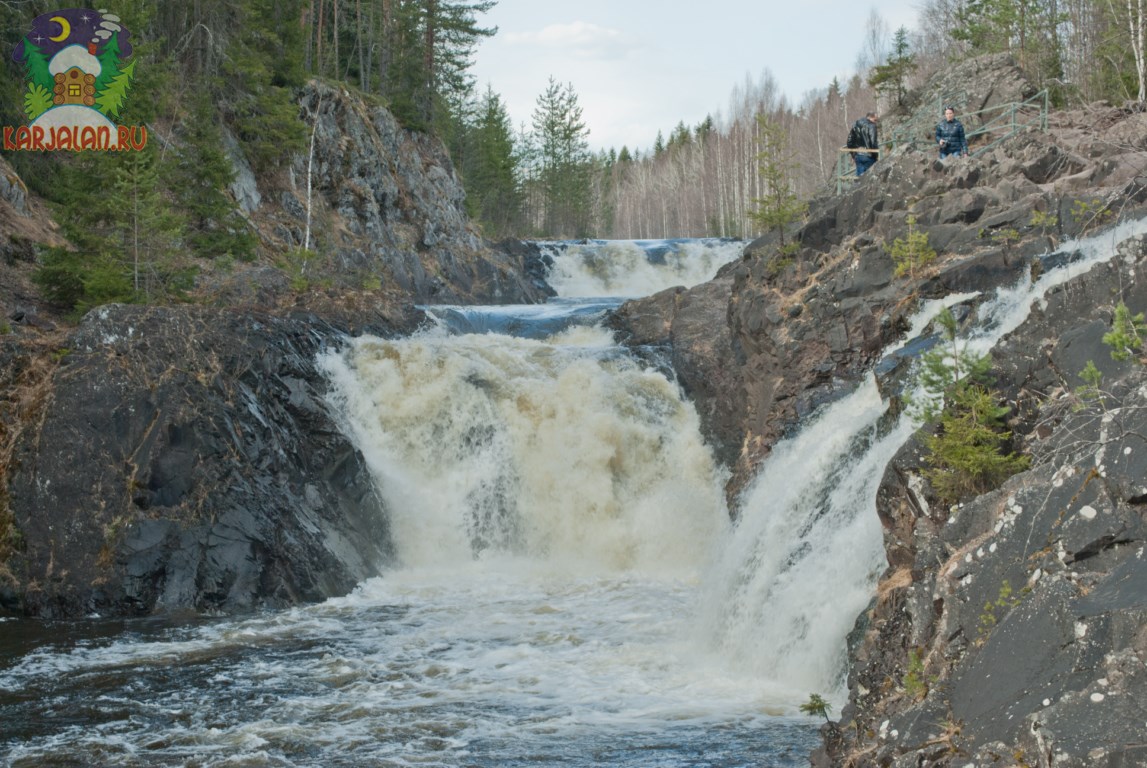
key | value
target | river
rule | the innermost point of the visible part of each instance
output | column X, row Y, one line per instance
column 557, row 519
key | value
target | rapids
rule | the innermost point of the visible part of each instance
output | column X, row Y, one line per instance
column 568, row 587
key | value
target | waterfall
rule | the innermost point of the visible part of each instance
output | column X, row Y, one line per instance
column 561, row 449
column 803, row 560
column 635, row 267
column 564, row 449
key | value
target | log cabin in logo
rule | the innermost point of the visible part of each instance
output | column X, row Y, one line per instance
column 75, row 71
column 78, row 78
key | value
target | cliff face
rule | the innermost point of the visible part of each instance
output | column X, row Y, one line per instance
column 176, row 458
column 184, row 457
column 1008, row 630
column 387, row 204
column 1012, row 627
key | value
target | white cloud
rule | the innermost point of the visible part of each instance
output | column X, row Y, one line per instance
column 582, row 39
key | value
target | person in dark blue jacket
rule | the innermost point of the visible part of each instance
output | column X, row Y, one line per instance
column 950, row 135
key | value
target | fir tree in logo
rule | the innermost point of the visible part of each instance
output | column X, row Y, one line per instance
column 74, row 60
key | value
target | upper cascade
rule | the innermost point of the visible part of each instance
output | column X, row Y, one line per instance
column 634, row 268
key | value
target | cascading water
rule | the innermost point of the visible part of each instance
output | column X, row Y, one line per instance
column 635, row 267
column 805, row 555
column 564, row 450
column 569, row 589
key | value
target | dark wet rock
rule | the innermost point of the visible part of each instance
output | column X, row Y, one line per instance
column 1023, row 606
column 388, row 207
column 1026, row 605
column 186, row 459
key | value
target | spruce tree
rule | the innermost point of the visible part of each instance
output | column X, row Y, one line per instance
column 109, row 63
column 36, row 66
column 564, row 162
column 199, row 180
column 112, row 98
column 780, row 206
column 490, row 173
column 892, row 76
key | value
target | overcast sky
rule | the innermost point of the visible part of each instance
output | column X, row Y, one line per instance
column 639, row 66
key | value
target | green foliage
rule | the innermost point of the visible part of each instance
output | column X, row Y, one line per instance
column 37, row 101
column 5, row 328
column 109, row 63
column 915, row 684
column 1126, row 335
column 493, row 195
column 816, row 706
column 259, row 75
column 111, row 99
column 1089, row 392
column 199, row 175
column 968, row 449
column 296, row 263
column 1027, row 29
column 912, row 252
column 892, row 76
column 994, row 610
column 1043, row 221
column 968, row 453
column 36, row 66
column 1090, row 213
column 780, row 206
column 116, row 212
column 779, row 262
column 1007, row 237
column 559, row 163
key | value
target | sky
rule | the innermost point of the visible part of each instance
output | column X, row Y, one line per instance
column 640, row 66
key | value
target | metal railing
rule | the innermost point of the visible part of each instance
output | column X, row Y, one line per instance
column 995, row 123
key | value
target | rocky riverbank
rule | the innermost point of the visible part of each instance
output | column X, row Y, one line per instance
column 183, row 457
column 1008, row 629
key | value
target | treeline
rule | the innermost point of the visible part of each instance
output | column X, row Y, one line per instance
column 706, row 179
column 214, row 74
column 212, row 70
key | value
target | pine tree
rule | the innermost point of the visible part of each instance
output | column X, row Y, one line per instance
column 564, row 161
column 892, row 76
column 36, row 66
column 968, row 447
column 968, row 451
column 111, row 100
column 780, row 206
column 109, row 64
column 146, row 227
column 199, row 178
column 491, row 174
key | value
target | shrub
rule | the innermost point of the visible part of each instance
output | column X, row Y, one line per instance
column 968, row 453
column 968, row 450
column 1126, row 335
column 816, row 705
column 911, row 252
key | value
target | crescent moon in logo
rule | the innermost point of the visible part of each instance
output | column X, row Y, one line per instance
column 65, row 29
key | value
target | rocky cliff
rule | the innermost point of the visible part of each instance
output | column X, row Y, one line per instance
column 183, row 458
column 1007, row 630
column 175, row 458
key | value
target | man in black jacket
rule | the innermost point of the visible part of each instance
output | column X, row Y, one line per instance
column 864, row 136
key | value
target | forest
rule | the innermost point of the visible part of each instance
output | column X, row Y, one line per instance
column 214, row 68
